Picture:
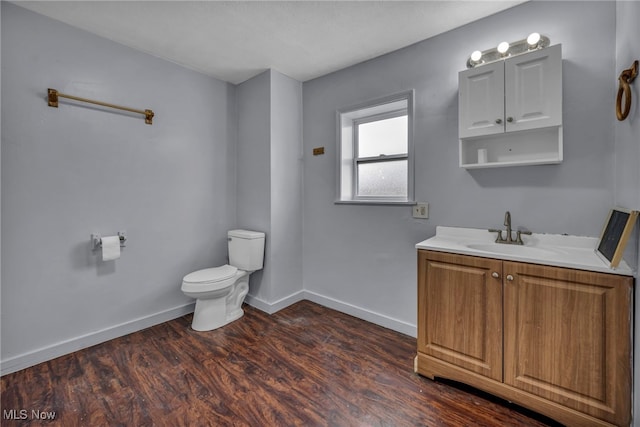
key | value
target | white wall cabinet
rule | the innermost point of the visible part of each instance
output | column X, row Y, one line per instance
column 481, row 103
column 513, row 110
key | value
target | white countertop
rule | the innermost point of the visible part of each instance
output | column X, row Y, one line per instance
column 546, row 249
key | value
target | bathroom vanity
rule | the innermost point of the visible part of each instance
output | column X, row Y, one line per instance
column 546, row 325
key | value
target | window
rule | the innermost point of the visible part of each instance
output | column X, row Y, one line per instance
column 375, row 144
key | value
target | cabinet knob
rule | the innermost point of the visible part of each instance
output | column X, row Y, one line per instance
column 498, row 121
column 509, row 277
column 495, row 274
column 510, row 119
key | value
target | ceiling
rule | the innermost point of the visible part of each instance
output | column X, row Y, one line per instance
column 236, row 40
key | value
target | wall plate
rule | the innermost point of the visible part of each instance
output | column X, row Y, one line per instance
column 420, row 210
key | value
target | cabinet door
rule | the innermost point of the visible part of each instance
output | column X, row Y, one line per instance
column 481, row 100
column 533, row 89
column 567, row 338
column 460, row 311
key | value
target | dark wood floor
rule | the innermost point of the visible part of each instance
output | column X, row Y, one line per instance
column 303, row 366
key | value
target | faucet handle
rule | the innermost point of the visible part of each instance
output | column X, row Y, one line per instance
column 519, row 236
column 499, row 238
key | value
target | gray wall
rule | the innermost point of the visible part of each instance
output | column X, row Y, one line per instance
column 0, row 183
column 254, row 152
column 254, row 173
column 627, row 153
column 75, row 170
column 627, row 132
column 364, row 256
column 270, row 182
column 286, row 187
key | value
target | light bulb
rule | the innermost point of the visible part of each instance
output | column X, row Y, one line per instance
column 533, row 39
column 476, row 56
column 503, row 47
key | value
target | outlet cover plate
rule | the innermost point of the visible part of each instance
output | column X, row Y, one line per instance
column 420, row 210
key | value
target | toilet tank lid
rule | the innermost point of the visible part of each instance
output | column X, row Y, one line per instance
column 246, row 234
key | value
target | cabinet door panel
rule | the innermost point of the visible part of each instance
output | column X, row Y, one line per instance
column 481, row 100
column 567, row 338
column 533, row 90
column 460, row 311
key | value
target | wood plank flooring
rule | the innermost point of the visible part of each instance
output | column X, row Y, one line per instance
column 306, row 365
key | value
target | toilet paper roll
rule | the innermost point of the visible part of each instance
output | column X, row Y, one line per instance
column 110, row 248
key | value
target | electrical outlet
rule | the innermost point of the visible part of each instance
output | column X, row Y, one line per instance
column 421, row 210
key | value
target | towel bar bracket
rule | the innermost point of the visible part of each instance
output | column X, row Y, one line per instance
column 53, row 97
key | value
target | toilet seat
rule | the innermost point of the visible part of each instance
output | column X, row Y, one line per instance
column 209, row 278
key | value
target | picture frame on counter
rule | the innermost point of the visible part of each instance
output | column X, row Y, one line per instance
column 615, row 235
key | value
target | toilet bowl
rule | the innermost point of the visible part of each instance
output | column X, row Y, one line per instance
column 220, row 291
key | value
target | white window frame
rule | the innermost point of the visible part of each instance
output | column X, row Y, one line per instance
column 347, row 123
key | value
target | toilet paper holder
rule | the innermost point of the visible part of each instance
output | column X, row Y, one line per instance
column 96, row 240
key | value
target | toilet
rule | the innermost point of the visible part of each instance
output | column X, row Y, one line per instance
column 220, row 291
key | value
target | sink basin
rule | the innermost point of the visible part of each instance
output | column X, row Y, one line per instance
column 499, row 248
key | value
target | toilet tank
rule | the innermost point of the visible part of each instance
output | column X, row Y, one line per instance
column 246, row 249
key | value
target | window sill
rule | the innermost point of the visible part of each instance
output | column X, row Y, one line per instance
column 375, row 202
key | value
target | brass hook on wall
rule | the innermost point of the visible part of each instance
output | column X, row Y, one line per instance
column 626, row 77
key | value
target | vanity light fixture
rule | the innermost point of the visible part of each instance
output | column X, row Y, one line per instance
column 533, row 40
column 504, row 50
column 476, row 58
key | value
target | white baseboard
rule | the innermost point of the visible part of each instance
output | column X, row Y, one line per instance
column 364, row 314
column 271, row 308
column 44, row 354
column 343, row 307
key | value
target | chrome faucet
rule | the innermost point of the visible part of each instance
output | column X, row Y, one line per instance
column 507, row 222
column 509, row 239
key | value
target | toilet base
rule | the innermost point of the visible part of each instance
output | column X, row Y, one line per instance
column 204, row 321
column 214, row 313
column 235, row 316
column 209, row 314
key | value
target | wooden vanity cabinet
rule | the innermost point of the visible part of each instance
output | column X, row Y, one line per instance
column 460, row 311
column 555, row 340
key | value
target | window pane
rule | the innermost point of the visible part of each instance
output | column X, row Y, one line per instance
column 383, row 178
column 387, row 136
